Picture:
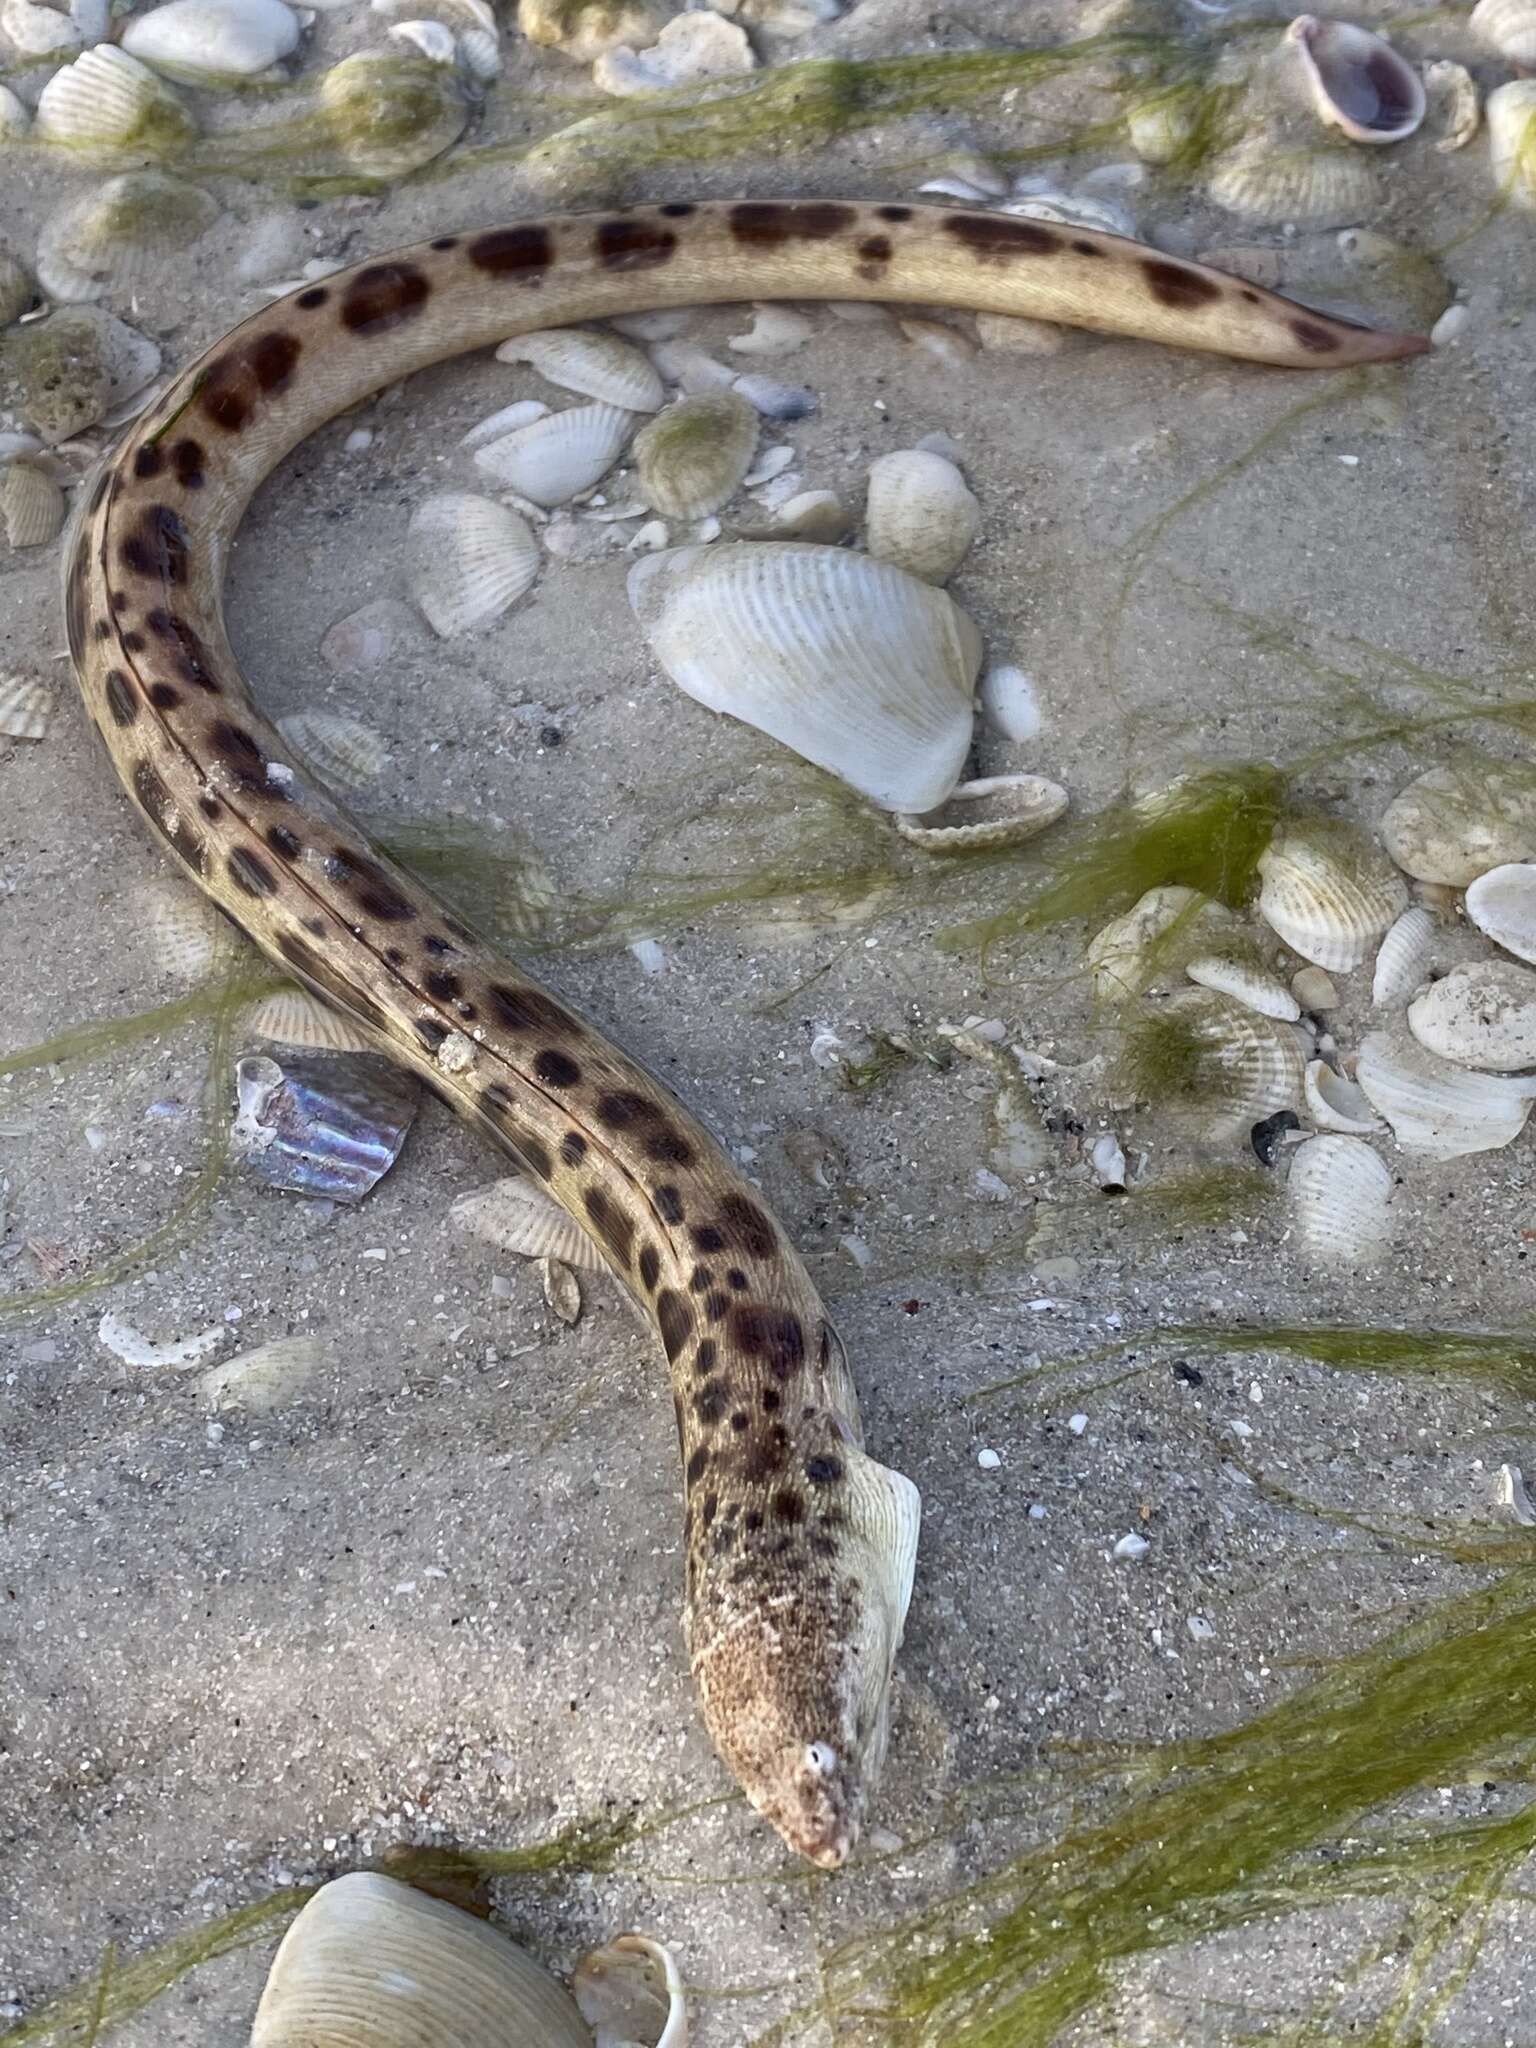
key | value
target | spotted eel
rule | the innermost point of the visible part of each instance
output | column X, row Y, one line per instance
column 800, row 1547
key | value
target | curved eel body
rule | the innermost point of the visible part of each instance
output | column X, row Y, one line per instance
column 800, row 1547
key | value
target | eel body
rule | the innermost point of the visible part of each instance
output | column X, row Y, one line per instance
column 800, row 1547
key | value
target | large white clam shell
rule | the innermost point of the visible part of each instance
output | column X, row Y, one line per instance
column 1356, row 80
column 110, row 109
column 1451, row 824
column 562, row 454
column 371, row 1961
column 1335, row 1103
column 108, row 239
column 470, row 559
column 1481, row 1016
column 855, row 665
column 206, row 41
column 1144, row 950
column 1339, row 1192
column 1402, row 960
column 1434, row 1108
column 1328, row 894
column 920, row 513
column 694, row 456
column 1509, row 26
column 992, row 812
column 597, row 365
column 1502, row 904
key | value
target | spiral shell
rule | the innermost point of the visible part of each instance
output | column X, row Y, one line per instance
column 691, row 458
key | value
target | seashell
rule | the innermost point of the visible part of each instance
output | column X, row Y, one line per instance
column 857, row 666
column 693, row 456
column 1143, row 951
column 38, row 31
column 464, row 16
column 1513, row 1494
column 388, row 113
column 948, row 344
column 771, row 464
column 372, row 1960
column 920, row 514
column 1161, row 128
column 134, row 1348
column 327, row 1124
column 1502, row 904
column 1238, row 1068
column 1231, row 974
column 205, row 42
column 112, row 110
column 1013, row 334
column 1339, row 1194
column 1357, row 82
column 1454, row 96
column 1402, row 960
column 291, row 1016
column 1481, row 1016
column 689, row 48
column 562, row 1290
column 1508, row 26
column 182, row 927
column 15, row 117
column 521, row 413
column 31, row 505
column 480, row 55
column 25, row 708
column 517, row 1216
column 1335, row 1103
column 1442, row 1111
column 695, row 369
column 342, row 751
column 979, row 817
column 560, row 455
column 1037, row 199
column 585, row 29
column 808, row 515
column 470, row 560
column 1511, row 117
column 631, row 1996
column 1313, row 990
column 110, row 239
column 775, row 401
column 367, row 638
column 596, row 364
column 261, row 1381
column 1009, row 704
column 1266, row 183
column 1452, row 824
column 434, row 42
column 1328, row 894
column 775, row 331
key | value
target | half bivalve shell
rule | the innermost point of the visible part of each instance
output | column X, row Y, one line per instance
column 1339, row 1194
column 1403, row 958
column 31, row 505
column 1508, row 26
column 1511, row 117
column 1265, row 182
column 470, row 560
column 1481, row 1016
column 518, row 1217
column 1442, row 1111
column 555, row 458
column 920, row 514
column 342, row 750
column 206, row 42
column 992, row 812
column 1335, row 1103
column 1329, row 895
column 388, row 113
column 1248, row 1067
column 25, row 708
column 1502, row 904
column 1357, row 82
column 631, row 1995
column 585, row 360
column 1252, row 986
column 110, row 109
column 291, row 1016
column 857, row 666
column 691, row 458
column 1453, row 823
column 1144, row 950
column 261, row 1381
column 111, row 238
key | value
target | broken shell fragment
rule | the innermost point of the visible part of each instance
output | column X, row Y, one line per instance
column 1453, row 823
column 981, row 816
column 325, row 1124
column 1357, row 82
column 1502, row 904
column 555, row 458
column 855, row 665
column 1457, row 104
column 31, row 505
column 1402, row 961
column 1445, row 1112
column 518, row 1217
column 259, row 1382
column 920, row 513
column 206, row 42
column 291, row 1016
column 1339, row 1192
column 1144, row 949
column 25, row 708
column 1246, row 982
column 562, row 1290
column 1481, row 1016
column 1511, row 117
column 470, row 560
column 1335, row 1103
column 689, row 48
column 1508, row 26
column 112, row 110
column 587, row 361
column 691, row 458
column 631, row 1996
column 1328, row 894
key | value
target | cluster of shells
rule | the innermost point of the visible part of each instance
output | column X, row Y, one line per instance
column 1444, row 913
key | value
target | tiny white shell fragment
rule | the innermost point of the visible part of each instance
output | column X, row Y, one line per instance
column 980, row 816
column 631, row 1995
column 1511, row 117
column 1453, row 823
column 1328, row 894
column 693, row 456
column 261, row 1381
column 1358, row 83
column 1132, row 1546
column 589, row 361
column 470, row 559
column 1508, row 26
column 343, row 750
column 1335, row 1103
column 858, row 667
column 125, row 1342
column 690, row 47
column 1502, row 904
column 1313, row 989
column 292, row 1016
column 1247, row 984
column 775, row 401
column 1402, row 960
column 1510, row 1492
column 920, row 513
column 1481, row 1016
column 649, row 954
column 562, row 1290
column 775, row 331
column 1451, row 326
column 1442, row 1111
column 1107, row 1158
column 555, row 458
column 25, row 708
column 1009, row 703
column 109, row 108
column 518, row 1217
column 31, row 505
column 435, row 42
column 949, row 345
column 1339, row 1193
column 522, row 412
column 1457, row 103
column 207, row 41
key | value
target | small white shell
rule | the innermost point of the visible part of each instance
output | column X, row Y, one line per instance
column 1160, row 128
column 631, row 1996
column 1511, row 117
column 1264, row 182
column 181, row 926
column 388, row 112
column 978, row 817
column 773, row 399
column 562, row 1290
column 291, row 1016
column 110, row 109
column 1009, row 703
column 518, row 1217
column 1481, row 1016
column 434, row 41
column 690, row 47
column 557, row 457
column 1339, row 1192
column 1403, row 958
column 470, row 559
column 31, row 505
column 261, row 1381
column 1457, row 104
column 1252, row 986
column 920, row 513
column 207, row 41
column 1452, row 824
column 1442, row 1111
column 480, row 55
column 1329, row 895
column 1335, row 1103
column 775, row 331
column 1145, row 948
column 1502, row 904
column 691, row 458
column 1508, row 26
column 586, row 360
column 110, row 238
column 855, row 665
column 38, row 31
column 1313, row 990
column 369, row 1959
column 25, row 708
column 1246, row 1067
column 1358, row 83
column 343, row 751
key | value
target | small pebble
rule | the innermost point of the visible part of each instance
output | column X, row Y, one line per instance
column 1077, row 1424
column 988, row 1460
column 1200, row 1628
column 1132, row 1546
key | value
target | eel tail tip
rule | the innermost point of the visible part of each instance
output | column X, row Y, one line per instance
column 1375, row 347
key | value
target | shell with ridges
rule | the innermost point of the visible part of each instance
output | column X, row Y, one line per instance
column 920, row 513
column 586, row 360
column 1358, row 83
column 980, row 816
column 691, row 458
column 1502, row 904
column 182, row 928
column 1481, row 1016
column 1452, row 823
column 1328, row 894
column 342, row 750
column 1511, row 117
column 112, row 110
column 25, row 708
column 1445, row 1112
column 260, row 1381
column 1339, row 1194
column 1402, row 960
column 31, row 505
column 205, row 42
column 430, row 38
column 518, row 1217
column 109, row 239
column 1335, row 1103
column 1145, row 948
column 470, row 559
column 857, row 666
column 1231, row 974
column 388, row 113
column 559, row 456
column 1243, row 1067
column 292, row 1016
column 1263, row 182
column 1508, row 26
